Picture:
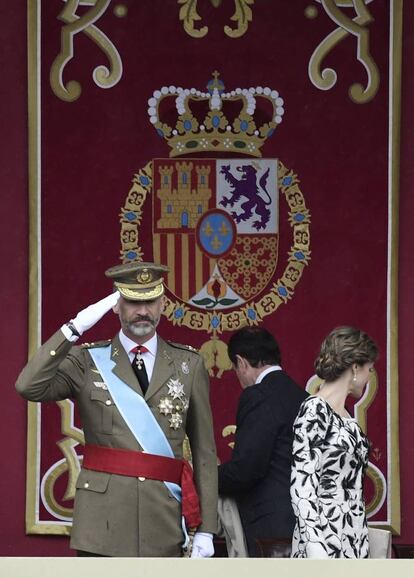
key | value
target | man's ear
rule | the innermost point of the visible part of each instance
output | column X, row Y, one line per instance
column 115, row 308
column 163, row 303
column 241, row 362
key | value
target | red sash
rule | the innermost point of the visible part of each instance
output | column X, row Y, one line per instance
column 139, row 464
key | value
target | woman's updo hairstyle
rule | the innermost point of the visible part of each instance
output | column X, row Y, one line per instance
column 343, row 347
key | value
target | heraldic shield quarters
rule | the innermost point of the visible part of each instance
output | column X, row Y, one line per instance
column 216, row 205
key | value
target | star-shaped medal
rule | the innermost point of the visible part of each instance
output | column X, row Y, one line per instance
column 175, row 421
column 181, row 405
column 175, row 388
column 165, row 406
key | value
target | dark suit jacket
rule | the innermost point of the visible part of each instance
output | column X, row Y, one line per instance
column 258, row 474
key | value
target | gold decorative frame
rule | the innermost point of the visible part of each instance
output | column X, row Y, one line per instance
column 33, row 524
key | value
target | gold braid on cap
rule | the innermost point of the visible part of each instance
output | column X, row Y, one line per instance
column 139, row 286
column 141, row 293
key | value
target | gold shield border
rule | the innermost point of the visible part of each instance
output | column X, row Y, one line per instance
column 253, row 312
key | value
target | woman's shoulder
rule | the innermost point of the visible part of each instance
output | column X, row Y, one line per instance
column 315, row 401
column 313, row 406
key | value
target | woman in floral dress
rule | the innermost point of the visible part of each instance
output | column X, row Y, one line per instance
column 330, row 454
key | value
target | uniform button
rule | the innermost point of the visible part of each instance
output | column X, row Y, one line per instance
column 108, row 402
column 52, row 352
column 141, row 479
column 86, row 485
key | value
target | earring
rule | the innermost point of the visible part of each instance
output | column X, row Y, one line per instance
column 355, row 376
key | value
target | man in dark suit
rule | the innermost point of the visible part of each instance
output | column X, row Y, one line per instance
column 258, row 474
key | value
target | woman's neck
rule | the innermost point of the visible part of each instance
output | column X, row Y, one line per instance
column 335, row 394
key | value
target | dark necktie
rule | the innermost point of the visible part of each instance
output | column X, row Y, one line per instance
column 138, row 367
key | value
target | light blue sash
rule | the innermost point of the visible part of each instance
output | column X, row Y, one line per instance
column 135, row 411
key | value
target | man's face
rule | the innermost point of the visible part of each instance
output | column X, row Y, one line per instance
column 139, row 318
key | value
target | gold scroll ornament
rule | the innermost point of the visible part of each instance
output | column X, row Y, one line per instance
column 68, row 466
column 325, row 79
column 242, row 16
column 103, row 76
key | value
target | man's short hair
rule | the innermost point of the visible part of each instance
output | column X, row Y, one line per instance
column 255, row 344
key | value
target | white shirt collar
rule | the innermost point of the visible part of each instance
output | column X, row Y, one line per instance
column 128, row 344
column 266, row 371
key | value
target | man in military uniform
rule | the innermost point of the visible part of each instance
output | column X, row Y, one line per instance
column 138, row 397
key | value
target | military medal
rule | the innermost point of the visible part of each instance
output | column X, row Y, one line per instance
column 175, row 404
column 175, row 388
column 166, row 405
column 180, row 405
column 175, row 421
column 138, row 360
column 184, row 368
column 100, row 385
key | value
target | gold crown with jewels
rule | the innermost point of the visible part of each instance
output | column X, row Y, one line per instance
column 237, row 121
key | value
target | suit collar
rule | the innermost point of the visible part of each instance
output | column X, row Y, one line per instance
column 266, row 371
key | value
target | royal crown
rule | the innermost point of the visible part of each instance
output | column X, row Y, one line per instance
column 237, row 121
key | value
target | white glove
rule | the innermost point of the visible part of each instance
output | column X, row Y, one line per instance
column 87, row 318
column 202, row 545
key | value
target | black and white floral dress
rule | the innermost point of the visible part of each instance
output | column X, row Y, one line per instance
column 330, row 455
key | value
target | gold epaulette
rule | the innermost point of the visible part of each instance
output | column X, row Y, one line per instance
column 103, row 343
column 184, row 347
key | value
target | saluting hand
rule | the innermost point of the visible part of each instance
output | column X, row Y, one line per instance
column 88, row 317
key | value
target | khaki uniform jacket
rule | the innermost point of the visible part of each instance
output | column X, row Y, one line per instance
column 121, row 515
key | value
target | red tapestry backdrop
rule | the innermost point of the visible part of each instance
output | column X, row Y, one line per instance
column 301, row 99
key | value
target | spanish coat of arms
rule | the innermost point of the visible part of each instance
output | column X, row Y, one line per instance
column 215, row 221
